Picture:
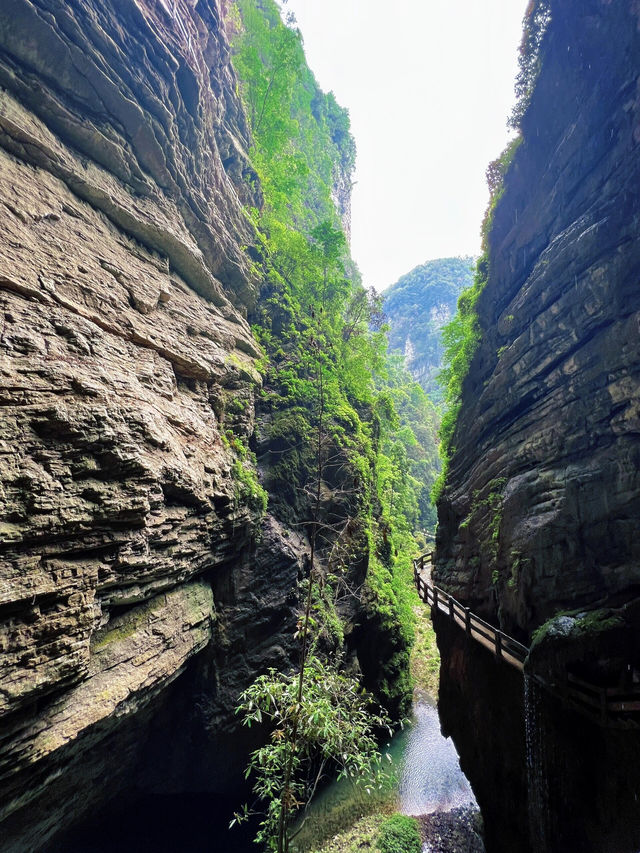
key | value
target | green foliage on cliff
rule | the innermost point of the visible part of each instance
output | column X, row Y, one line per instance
column 460, row 338
column 536, row 21
column 461, row 335
column 247, row 488
column 303, row 142
column 344, row 438
column 495, row 174
column 409, row 461
column 323, row 338
column 417, row 307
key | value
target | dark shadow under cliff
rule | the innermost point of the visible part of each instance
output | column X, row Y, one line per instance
column 547, row 779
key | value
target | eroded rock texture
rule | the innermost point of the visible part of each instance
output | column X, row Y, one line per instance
column 548, row 442
column 541, row 511
column 124, row 358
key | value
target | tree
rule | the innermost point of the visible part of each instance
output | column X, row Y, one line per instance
column 318, row 716
column 329, row 724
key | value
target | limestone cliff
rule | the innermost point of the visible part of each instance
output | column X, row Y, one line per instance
column 547, row 444
column 541, row 508
column 127, row 542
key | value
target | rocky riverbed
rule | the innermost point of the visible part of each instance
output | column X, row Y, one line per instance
column 456, row 831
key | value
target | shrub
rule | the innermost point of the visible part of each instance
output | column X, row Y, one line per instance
column 247, row 488
column 400, row 834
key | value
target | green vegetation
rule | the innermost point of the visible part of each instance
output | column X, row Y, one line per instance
column 345, row 439
column 517, row 564
column 329, row 722
column 121, row 628
column 319, row 717
column 461, row 336
column 386, row 663
column 495, row 175
column 578, row 625
column 430, row 284
column 248, row 490
column 410, row 462
column 302, row 137
column 425, row 657
column 417, row 305
column 382, row 833
column 536, row 21
column 491, row 506
column 361, row 837
column 326, row 353
column 400, row 834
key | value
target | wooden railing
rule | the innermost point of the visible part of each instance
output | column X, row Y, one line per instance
column 605, row 702
column 502, row 645
column 618, row 707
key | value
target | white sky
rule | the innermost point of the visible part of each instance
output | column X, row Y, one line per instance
column 428, row 85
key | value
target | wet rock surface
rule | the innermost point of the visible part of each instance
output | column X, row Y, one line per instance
column 481, row 706
column 457, row 831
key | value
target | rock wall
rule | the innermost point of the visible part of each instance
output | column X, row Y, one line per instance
column 542, row 502
column 128, row 548
column 541, row 509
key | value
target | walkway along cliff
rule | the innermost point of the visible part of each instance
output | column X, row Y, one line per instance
column 540, row 513
column 616, row 706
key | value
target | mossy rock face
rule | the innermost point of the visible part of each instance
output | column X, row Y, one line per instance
column 384, row 647
column 359, row 838
column 592, row 643
column 578, row 626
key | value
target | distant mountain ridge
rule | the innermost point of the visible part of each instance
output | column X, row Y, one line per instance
column 417, row 306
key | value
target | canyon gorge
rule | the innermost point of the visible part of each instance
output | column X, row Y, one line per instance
column 139, row 584
column 154, row 440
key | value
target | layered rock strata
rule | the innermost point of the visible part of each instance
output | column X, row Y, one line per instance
column 542, row 501
column 127, row 542
column 541, row 509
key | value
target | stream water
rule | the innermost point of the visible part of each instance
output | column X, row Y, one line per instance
column 425, row 777
column 430, row 775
